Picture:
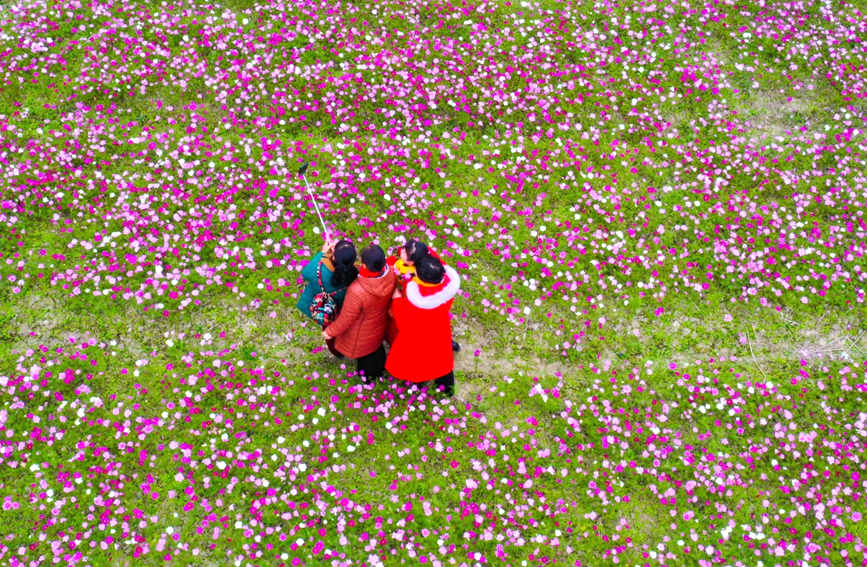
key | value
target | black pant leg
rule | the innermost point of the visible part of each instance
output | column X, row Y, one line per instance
column 371, row 365
column 333, row 349
column 447, row 381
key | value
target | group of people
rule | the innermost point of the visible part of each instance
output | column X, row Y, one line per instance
column 402, row 300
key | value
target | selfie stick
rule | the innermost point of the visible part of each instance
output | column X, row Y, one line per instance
column 301, row 171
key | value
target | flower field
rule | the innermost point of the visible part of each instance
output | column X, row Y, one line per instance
column 657, row 210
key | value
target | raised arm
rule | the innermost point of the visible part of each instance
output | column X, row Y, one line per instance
column 309, row 271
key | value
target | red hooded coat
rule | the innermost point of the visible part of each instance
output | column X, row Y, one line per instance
column 422, row 349
column 403, row 274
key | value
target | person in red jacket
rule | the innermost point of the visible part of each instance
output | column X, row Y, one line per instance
column 422, row 350
column 402, row 265
column 359, row 329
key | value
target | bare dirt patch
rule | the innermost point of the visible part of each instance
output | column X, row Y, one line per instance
column 771, row 116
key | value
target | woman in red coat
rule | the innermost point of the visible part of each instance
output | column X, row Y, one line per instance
column 402, row 265
column 359, row 329
column 422, row 348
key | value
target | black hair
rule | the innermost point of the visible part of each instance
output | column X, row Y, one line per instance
column 373, row 258
column 344, row 257
column 430, row 270
column 415, row 250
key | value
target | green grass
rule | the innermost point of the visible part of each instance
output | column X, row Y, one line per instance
column 204, row 405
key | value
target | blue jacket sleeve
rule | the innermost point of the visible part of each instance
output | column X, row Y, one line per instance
column 309, row 271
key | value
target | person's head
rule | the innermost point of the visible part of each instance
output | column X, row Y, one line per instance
column 373, row 258
column 429, row 270
column 413, row 251
column 343, row 257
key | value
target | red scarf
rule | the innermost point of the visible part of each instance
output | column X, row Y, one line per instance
column 364, row 272
column 426, row 289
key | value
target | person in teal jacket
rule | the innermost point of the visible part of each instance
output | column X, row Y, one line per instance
column 338, row 271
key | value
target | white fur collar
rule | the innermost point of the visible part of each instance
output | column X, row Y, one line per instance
column 439, row 298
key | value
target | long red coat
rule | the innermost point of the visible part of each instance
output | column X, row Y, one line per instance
column 403, row 274
column 422, row 349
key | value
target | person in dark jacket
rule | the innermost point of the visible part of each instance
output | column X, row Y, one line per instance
column 402, row 263
column 336, row 264
column 359, row 329
column 422, row 350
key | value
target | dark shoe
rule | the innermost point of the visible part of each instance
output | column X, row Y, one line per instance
column 456, row 346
